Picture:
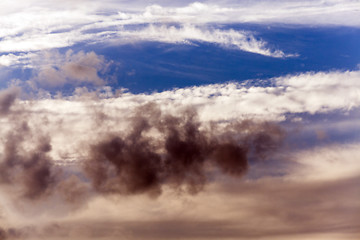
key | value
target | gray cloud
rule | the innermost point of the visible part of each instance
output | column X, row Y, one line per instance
column 158, row 149
column 99, row 155
column 138, row 162
column 7, row 99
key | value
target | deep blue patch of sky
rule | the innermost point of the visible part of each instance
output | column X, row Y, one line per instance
column 151, row 66
column 154, row 66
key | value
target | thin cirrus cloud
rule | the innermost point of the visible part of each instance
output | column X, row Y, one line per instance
column 42, row 25
column 186, row 34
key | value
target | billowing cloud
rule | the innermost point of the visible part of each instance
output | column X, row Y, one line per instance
column 261, row 159
column 56, row 70
column 250, row 179
column 273, row 99
column 273, row 207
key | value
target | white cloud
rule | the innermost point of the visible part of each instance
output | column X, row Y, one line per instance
column 310, row 93
column 326, row 163
column 184, row 34
column 241, row 40
column 304, row 93
column 38, row 25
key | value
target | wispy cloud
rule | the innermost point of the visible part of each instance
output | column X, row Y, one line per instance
column 46, row 26
column 184, row 34
column 42, row 25
column 241, row 40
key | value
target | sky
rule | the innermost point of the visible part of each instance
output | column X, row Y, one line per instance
column 179, row 119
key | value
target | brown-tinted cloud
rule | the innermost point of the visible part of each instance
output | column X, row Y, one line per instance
column 159, row 153
column 72, row 68
column 7, row 99
column 31, row 169
column 268, row 209
column 158, row 149
column 180, row 155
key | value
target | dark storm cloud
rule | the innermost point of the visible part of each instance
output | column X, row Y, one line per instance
column 27, row 171
column 180, row 155
column 32, row 169
column 158, row 149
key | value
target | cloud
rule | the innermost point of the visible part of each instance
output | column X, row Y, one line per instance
column 327, row 163
column 7, row 99
column 137, row 162
column 84, row 153
column 187, row 34
column 267, row 159
column 7, row 60
column 284, row 98
column 56, row 70
column 273, row 99
column 52, row 25
column 267, row 208
column 157, row 149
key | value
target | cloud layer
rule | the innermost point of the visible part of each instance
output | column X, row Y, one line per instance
column 46, row 26
column 84, row 153
column 265, row 158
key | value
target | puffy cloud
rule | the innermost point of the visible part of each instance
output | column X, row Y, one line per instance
column 311, row 92
column 56, row 70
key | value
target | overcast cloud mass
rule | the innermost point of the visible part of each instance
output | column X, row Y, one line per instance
column 179, row 119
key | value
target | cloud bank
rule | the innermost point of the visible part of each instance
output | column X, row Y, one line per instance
column 85, row 152
column 271, row 158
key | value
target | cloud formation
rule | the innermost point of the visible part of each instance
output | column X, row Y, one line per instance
column 273, row 99
column 89, row 151
column 57, row 25
column 47, row 26
column 159, row 149
column 57, row 70
column 179, row 153
column 31, row 29
column 276, row 207
column 188, row 34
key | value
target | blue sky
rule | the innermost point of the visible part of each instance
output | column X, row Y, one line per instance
column 169, row 119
